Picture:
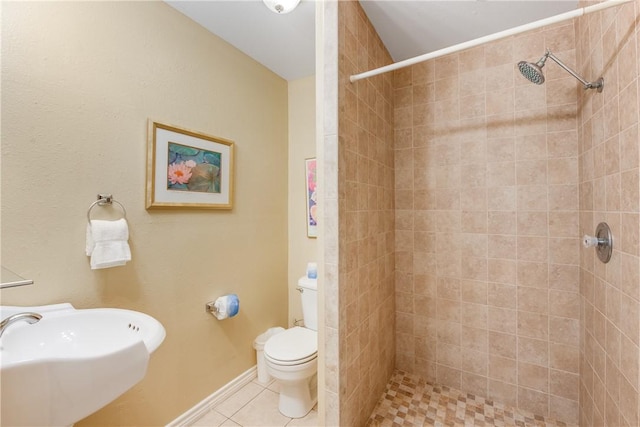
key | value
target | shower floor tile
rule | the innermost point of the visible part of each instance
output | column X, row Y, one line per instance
column 410, row 401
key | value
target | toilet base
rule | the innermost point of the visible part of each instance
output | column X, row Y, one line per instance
column 297, row 398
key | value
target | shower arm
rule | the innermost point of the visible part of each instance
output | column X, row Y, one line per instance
column 598, row 84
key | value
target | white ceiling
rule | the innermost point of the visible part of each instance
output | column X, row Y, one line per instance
column 285, row 43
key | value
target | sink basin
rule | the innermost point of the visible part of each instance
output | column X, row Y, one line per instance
column 72, row 362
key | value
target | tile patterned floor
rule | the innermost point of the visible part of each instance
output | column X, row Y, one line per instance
column 254, row 405
column 410, row 401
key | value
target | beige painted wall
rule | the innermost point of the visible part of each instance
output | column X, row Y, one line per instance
column 79, row 81
column 302, row 145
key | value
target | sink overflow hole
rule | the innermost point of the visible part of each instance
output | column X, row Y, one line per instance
column 134, row 327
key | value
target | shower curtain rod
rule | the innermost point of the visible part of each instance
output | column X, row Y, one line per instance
column 491, row 37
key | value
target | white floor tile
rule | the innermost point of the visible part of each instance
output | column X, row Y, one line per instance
column 236, row 401
column 265, row 385
column 211, row 419
column 274, row 386
column 309, row 420
column 261, row 412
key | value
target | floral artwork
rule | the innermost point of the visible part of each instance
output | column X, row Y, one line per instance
column 192, row 169
column 188, row 169
column 312, row 198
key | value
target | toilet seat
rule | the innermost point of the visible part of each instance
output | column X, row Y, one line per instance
column 294, row 346
column 284, row 363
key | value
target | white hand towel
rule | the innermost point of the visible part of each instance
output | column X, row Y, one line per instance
column 107, row 243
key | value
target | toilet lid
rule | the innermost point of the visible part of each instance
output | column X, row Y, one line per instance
column 291, row 362
column 293, row 345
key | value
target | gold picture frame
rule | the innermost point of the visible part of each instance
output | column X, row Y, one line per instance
column 187, row 169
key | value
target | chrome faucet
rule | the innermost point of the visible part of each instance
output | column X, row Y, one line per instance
column 28, row 317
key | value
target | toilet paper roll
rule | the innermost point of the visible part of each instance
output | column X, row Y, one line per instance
column 226, row 306
column 312, row 270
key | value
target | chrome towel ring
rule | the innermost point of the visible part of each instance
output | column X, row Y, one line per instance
column 105, row 199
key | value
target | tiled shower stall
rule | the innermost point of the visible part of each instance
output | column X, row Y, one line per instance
column 457, row 192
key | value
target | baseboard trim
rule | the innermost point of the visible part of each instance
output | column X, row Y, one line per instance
column 200, row 409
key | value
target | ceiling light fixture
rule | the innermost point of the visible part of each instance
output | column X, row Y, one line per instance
column 281, row 6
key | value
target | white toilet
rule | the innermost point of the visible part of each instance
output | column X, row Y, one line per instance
column 292, row 357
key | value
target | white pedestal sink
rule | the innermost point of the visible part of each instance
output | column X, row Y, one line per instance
column 72, row 362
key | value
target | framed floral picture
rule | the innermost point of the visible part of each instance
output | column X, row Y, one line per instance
column 312, row 197
column 188, row 169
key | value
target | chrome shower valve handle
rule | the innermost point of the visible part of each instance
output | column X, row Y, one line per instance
column 602, row 242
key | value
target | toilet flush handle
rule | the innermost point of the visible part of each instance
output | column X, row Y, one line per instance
column 300, row 290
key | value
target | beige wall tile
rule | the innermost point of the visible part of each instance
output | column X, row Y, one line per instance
column 563, row 224
column 501, row 198
column 474, row 383
column 474, row 291
column 529, row 97
column 502, row 223
column 560, row 91
column 534, row 300
column 533, row 274
column 533, row 351
column 476, row 363
column 533, row 325
column 500, row 52
column 532, row 198
column 628, row 403
column 496, row 163
column 500, row 174
column 448, row 375
column 501, row 295
column 500, row 150
column 563, row 171
column 564, row 384
column 446, row 66
column 503, row 392
column 502, row 344
column 564, row 357
column 534, row 249
column 564, row 304
column 474, row 338
column 562, row 144
column 533, row 376
column 502, row 320
column 531, row 172
column 498, row 77
column 368, row 242
column 530, row 122
column 532, row 223
column 563, row 197
column 503, row 369
column 531, row 147
column 566, row 409
column 563, row 330
column 500, row 101
column 564, row 251
column 537, row 401
column 564, row 277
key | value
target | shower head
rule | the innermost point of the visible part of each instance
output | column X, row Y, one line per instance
column 533, row 72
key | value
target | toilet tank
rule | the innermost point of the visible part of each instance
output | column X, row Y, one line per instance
column 309, row 294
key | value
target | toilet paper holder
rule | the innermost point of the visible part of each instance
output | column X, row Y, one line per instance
column 211, row 307
column 602, row 241
column 224, row 307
